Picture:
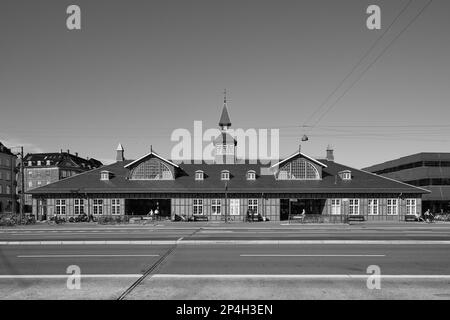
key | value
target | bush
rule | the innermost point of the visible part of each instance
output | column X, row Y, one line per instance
column 113, row 219
column 8, row 219
column 442, row 217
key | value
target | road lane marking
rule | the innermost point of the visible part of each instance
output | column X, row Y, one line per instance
column 62, row 276
column 301, row 276
column 240, row 276
column 225, row 242
column 313, row 255
column 87, row 255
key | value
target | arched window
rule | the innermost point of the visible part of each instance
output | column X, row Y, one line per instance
column 251, row 175
column 299, row 169
column 152, row 169
column 225, row 175
column 345, row 175
column 199, row 175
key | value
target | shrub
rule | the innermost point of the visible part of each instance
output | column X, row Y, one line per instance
column 113, row 219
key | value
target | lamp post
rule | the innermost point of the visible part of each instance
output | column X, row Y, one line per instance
column 226, row 201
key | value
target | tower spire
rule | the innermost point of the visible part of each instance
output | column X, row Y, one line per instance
column 224, row 121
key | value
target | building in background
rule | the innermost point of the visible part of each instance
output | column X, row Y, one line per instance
column 229, row 188
column 41, row 169
column 7, row 180
column 429, row 170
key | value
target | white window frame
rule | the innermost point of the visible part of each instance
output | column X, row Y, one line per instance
column 411, row 206
column 115, row 206
column 253, row 205
column 346, row 175
column 60, row 206
column 225, row 175
column 8, row 189
column 373, row 207
column 199, row 175
column 393, row 207
column 97, row 207
column 234, row 207
column 216, row 207
column 8, row 176
column 197, row 209
column 78, row 206
column 251, row 175
column 336, row 205
column 104, row 176
column 353, row 207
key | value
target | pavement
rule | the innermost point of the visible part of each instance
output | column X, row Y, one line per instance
column 238, row 261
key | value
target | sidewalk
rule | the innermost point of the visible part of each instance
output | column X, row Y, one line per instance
column 230, row 225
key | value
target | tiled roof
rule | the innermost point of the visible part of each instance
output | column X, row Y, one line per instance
column 5, row 150
column 361, row 182
column 57, row 158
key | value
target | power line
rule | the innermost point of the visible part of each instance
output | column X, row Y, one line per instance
column 371, row 64
column 357, row 64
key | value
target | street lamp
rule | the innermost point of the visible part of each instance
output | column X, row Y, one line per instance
column 226, row 201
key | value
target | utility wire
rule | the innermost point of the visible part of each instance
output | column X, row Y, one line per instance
column 357, row 64
column 372, row 63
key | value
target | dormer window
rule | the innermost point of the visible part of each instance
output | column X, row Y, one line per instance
column 39, row 163
column 30, row 163
column 225, row 175
column 47, row 162
column 345, row 175
column 251, row 175
column 104, row 175
column 199, row 175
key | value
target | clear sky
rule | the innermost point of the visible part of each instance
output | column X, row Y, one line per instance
column 140, row 69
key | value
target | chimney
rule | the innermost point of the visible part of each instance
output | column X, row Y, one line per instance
column 76, row 154
column 68, row 151
column 120, row 153
column 330, row 153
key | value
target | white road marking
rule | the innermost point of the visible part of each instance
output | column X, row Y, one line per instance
column 241, row 276
column 62, row 276
column 226, row 242
column 301, row 276
column 313, row 255
column 87, row 255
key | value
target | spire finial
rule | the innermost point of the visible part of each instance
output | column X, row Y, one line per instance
column 225, row 96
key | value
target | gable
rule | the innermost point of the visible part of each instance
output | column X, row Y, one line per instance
column 298, row 167
column 151, row 167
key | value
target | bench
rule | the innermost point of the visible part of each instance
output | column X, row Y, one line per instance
column 410, row 217
column 298, row 217
column 200, row 218
column 355, row 218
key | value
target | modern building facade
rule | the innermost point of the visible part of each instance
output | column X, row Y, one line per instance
column 41, row 169
column 429, row 170
column 7, row 180
column 228, row 189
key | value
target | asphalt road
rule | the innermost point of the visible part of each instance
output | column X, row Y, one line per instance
column 233, row 232
column 225, row 271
